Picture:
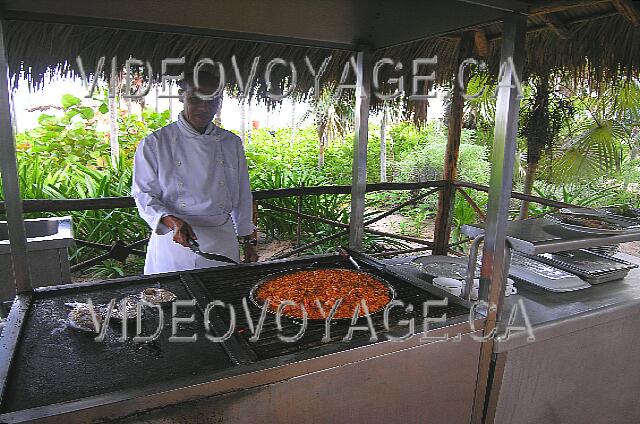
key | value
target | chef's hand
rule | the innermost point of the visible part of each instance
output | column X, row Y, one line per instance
column 182, row 231
column 250, row 253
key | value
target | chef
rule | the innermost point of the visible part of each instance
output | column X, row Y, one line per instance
column 190, row 181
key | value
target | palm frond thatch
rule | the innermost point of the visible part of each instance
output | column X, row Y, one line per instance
column 602, row 46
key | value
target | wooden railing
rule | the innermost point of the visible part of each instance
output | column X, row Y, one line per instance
column 120, row 250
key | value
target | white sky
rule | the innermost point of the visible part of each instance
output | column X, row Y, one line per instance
column 52, row 93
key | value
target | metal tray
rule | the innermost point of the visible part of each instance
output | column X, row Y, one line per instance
column 530, row 271
column 442, row 266
column 624, row 225
column 254, row 289
column 593, row 267
column 632, row 214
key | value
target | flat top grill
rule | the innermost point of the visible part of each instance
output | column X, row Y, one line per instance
column 54, row 363
column 234, row 285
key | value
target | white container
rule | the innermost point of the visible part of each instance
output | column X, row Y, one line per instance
column 451, row 285
column 508, row 290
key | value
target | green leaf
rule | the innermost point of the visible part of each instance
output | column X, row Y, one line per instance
column 68, row 100
column 71, row 113
column 104, row 109
column 46, row 120
column 86, row 112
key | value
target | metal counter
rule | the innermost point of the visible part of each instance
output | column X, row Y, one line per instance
column 556, row 313
column 582, row 366
column 58, row 375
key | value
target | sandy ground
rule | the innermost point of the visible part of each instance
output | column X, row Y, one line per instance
column 632, row 248
column 267, row 251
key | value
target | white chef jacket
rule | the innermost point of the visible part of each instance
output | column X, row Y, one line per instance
column 203, row 180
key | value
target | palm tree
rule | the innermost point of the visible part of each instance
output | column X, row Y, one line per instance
column 607, row 120
column 391, row 112
column 383, row 145
column 243, row 120
column 293, row 121
column 218, row 118
column 333, row 119
column 543, row 115
column 113, row 126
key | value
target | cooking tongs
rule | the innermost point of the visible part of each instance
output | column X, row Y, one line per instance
column 358, row 259
column 195, row 247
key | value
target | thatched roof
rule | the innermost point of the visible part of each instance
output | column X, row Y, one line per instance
column 590, row 39
column 37, row 49
column 595, row 42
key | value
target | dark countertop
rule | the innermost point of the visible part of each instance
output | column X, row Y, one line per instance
column 59, row 364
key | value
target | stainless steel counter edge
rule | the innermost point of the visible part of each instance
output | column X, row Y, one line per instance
column 569, row 324
column 124, row 403
column 141, row 278
column 63, row 237
column 10, row 337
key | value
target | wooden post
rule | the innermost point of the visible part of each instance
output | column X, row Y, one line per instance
column 10, row 181
column 157, row 93
column 359, row 170
column 383, row 145
column 447, row 195
column 255, row 219
column 170, row 101
column 112, row 102
column 243, row 120
column 249, row 121
column 299, row 223
column 293, row 121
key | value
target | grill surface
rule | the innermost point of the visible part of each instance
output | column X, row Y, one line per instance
column 54, row 363
column 234, row 285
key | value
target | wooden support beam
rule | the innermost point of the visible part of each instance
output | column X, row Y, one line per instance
column 554, row 6
column 556, row 25
column 19, row 268
column 627, row 9
column 481, row 44
column 473, row 204
column 544, row 27
column 447, row 195
column 67, row 205
column 519, row 196
column 364, row 64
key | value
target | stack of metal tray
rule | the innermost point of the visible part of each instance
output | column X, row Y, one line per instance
column 530, row 270
column 594, row 268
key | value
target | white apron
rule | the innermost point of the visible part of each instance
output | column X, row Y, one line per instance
column 165, row 255
column 199, row 178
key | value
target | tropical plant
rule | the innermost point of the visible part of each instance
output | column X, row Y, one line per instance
column 605, row 126
column 543, row 114
column 333, row 117
column 391, row 113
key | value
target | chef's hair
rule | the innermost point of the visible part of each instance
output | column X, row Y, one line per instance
column 205, row 77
